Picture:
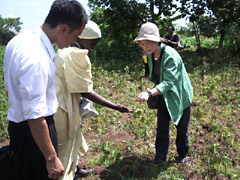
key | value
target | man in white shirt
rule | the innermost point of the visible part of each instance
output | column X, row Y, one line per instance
column 29, row 80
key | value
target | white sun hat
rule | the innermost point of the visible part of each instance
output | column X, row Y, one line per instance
column 91, row 31
column 148, row 31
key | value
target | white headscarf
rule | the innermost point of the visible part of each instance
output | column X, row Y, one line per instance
column 91, row 31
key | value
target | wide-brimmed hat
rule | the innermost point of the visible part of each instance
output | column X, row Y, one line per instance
column 91, row 31
column 148, row 31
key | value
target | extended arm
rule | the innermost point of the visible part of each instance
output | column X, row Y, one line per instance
column 169, row 42
column 98, row 99
column 174, row 44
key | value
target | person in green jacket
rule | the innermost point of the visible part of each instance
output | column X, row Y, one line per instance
column 174, row 87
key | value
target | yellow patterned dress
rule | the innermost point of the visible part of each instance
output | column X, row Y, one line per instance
column 73, row 76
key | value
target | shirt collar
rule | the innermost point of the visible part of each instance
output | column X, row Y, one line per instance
column 46, row 41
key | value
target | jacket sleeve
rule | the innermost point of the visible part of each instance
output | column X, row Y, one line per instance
column 169, row 72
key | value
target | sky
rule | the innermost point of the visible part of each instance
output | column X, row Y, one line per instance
column 33, row 12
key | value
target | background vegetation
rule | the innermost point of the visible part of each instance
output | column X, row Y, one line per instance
column 9, row 27
column 122, row 145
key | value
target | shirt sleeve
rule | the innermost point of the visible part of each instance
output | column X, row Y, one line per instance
column 176, row 38
column 33, row 79
column 5, row 78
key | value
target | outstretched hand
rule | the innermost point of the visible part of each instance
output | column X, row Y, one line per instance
column 142, row 97
column 123, row 109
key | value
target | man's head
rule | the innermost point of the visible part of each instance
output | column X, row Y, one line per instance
column 90, row 36
column 170, row 29
column 69, row 12
column 65, row 22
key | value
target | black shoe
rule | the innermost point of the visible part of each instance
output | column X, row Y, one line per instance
column 83, row 172
column 182, row 159
column 158, row 162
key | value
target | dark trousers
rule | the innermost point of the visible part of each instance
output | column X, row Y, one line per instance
column 162, row 137
column 146, row 69
column 29, row 159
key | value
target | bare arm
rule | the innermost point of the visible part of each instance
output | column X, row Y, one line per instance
column 98, row 99
column 175, row 44
column 40, row 133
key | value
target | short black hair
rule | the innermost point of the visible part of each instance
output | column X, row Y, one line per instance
column 171, row 26
column 69, row 12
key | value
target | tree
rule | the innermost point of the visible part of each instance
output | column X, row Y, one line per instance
column 166, row 8
column 227, row 13
column 194, row 9
column 224, row 13
column 119, row 21
column 208, row 26
column 9, row 27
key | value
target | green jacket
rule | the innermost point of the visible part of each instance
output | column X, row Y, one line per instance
column 175, row 85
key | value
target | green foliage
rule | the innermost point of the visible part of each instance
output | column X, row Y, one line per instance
column 3, row 100
column 9, row 27
column 119, row 22
column 224, row 13
column 111, row 153
column 185, row 31
column 166, row 8
column 227, row 13
column 208, row 26
column 232, row 42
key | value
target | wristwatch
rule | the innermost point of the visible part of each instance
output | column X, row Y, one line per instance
column 149, row 92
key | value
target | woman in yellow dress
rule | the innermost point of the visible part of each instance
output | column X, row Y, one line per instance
column 73, row 81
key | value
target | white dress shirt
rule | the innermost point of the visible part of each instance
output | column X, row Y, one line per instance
column 29, row 76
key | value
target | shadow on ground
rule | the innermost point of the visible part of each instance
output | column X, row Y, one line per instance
column 135, row 168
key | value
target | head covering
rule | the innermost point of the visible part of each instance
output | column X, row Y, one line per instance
column 148, row 31
column 171, row 26
column 91, row 31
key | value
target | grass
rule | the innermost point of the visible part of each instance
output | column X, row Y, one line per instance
column 3, row 100
column 122, row 145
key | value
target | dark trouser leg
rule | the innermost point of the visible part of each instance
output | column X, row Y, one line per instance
column 29, row 158
column 146, row 69
column 182, row 141
column 162, row 138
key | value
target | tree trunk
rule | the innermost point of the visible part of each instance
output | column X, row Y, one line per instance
column 222, row 36
column 128, row 47
column 198, row 40
column 197, row 35
column 107, row 50
column 152, row 10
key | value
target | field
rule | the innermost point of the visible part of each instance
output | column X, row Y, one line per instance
column 121, row 146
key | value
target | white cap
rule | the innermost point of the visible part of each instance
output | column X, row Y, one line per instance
column 91, row 31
